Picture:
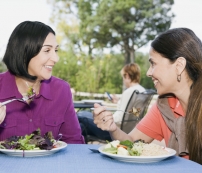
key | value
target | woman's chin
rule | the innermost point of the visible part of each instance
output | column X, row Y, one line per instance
column 159, row 92
column 47, row 77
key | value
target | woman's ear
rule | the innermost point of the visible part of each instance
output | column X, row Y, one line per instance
column 180, row 65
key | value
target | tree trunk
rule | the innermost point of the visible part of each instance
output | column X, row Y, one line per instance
column 127, row 57
column 132, row 56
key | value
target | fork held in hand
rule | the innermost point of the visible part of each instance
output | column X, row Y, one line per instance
column 121, row 111
column 25, row 98
column 112, row 109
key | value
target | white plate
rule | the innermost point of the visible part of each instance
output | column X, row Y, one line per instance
column 139, row 159
column 34, row 153
column 92, row 101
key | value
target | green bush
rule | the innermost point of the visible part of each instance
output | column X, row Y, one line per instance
column 98, row 74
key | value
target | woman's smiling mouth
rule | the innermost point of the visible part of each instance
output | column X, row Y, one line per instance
column 155, row 82
column 48, row 67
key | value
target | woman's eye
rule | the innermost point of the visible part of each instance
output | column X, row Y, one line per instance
column 56, row 50
column 152, row 63
column 47, row 50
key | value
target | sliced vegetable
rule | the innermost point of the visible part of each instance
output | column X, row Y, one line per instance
column 123, row 146
column 127, row 143
column 30, row 91
column 111, row 150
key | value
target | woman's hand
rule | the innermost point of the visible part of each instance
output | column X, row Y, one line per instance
column 103, row 119
column 115, row 99
column 2, row 113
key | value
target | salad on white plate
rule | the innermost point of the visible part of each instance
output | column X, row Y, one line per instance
column 33, row 141
column 138, row 148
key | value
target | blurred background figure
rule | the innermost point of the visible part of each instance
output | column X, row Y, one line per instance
column 131, row 79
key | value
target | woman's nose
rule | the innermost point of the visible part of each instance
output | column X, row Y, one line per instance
column 55, row 57
column 149, row 72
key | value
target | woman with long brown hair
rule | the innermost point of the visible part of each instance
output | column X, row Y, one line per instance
column 175, row 67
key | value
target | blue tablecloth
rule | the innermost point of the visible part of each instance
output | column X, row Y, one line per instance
column 79, row 159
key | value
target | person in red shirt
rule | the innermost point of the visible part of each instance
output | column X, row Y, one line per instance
column 175, row 60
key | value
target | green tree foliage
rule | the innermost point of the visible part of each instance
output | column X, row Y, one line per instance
column 129, row 24
column 126, row 25
column 67, row 67
column 90, row 75
column 142, row 61
column 97, row 75
column 2, row 67
column 86, row 28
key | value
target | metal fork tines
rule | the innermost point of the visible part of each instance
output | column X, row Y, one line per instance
column 24, row 99
column 124, row 112
column 134, row 111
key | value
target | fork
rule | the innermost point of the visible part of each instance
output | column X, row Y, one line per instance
column 94, row 150
column 24, row 99
column 60, row 136
column 112, row 109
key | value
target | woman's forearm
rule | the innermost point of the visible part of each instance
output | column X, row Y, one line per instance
column 118, row 134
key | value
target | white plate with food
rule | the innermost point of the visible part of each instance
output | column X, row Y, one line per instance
column 152, row 153
column 34, row 153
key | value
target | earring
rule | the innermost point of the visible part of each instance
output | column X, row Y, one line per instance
column 179, row 77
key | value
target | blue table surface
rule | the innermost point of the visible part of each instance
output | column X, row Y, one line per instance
column 76, row 158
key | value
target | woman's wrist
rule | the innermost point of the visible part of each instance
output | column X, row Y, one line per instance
column 114, row 130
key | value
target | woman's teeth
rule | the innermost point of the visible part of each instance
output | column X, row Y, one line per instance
column 50, row 67
column 155, row 82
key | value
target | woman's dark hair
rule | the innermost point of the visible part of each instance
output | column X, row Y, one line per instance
column 25, row 43
column 182, row 42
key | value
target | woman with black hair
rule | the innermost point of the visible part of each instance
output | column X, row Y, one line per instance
column 30, row 57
